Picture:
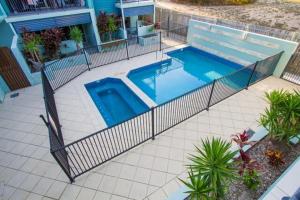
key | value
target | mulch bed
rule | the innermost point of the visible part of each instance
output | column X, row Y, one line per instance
column 269, row 174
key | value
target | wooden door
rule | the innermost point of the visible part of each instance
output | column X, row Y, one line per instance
column 11, row 71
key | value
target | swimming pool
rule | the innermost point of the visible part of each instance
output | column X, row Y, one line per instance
column 115, row 101
column 187, row 69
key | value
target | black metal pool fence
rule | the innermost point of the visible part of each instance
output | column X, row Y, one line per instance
column 64, row 70
column 83, row 155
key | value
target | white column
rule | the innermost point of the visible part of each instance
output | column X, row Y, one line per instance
column 123, row 20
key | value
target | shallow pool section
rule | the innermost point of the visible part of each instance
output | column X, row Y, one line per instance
column 115, row 100
column 188, row 68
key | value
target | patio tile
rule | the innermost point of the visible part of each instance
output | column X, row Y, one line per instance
column 160, row 164
column 71, row 192
column 132, row 158
column 149, row 149
column 17, row 179
column 29, row 183
column 86, row 194
column 176, row 154
column 115, row 197
column 175, row 167
column 138, row 191
column 102, row 196
column 52, row 171
column 56, row 189
column 93, row 181
column 157, row 178
column 162, row 151
column 146, row 161
column 123, row 187
column 108, row 184
column 171, row 187
column 19, row 195
column 7, row 191
column 41, row 168
column 33, row 196
column 18, row 162
column 43, row 185
column 128, row 172
column 113, row 169
column 158, row 195
column 142, row 175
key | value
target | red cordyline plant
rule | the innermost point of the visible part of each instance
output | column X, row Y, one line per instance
column 247, row 163
column 52, row 39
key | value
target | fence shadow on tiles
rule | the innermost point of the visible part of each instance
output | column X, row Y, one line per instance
column 85, row 154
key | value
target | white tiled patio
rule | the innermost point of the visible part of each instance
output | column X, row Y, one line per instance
column 150, row 171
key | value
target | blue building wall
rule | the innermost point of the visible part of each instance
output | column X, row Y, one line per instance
column 6, row 34
column 107, row 6
column 89, row 33
column 3, row 89
column 4, row 6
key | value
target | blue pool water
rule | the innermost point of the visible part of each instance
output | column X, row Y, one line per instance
column 115, row 101
column 188, row 69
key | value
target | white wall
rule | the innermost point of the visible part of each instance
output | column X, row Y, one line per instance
column 239, row 46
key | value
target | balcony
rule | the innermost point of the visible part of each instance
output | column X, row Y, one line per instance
column 133, row 3
column 19, row 7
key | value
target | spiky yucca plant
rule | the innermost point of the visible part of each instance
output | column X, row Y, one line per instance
column 282, row 118
column 198, row 189
column 214, row 164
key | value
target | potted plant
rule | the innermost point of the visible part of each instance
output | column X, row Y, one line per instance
column 111, row 26
column 76, row 35
column 31, row 43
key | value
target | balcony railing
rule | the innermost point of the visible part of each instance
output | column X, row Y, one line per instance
column 27, row 6
column 135, row 1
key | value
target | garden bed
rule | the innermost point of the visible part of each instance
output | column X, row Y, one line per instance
column 269, row 173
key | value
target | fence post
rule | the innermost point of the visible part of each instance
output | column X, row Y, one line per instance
column 168, row 28
column 152, row 124
column 254, row 68
column 211, row 93
column 87, row 62
column 126, row 43
column 160, row 41
column 59, row 163
column 54, row 155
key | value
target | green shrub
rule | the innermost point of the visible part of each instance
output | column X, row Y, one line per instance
column 282, row 118
column 76, row 35
column 251, row 179
column 214, row 164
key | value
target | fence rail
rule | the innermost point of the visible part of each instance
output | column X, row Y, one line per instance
column 93, row 150
column 17, row 7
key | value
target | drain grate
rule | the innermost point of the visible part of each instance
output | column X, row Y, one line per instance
column 14, row 95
